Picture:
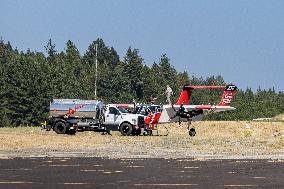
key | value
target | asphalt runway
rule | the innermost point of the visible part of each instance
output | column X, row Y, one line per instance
column 139, row 173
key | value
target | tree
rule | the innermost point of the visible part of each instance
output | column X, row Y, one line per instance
column 50, row 49
column 134, row 71
column 108, row 60
column 67, row 72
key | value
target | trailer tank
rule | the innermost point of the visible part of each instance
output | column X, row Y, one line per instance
column 69, row 115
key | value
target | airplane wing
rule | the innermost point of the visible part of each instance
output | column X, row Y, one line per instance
column 209, row 108
column 205, row 87
column 197, row 111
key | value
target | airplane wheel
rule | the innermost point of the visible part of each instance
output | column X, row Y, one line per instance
column 126, row 129
column 192, row 132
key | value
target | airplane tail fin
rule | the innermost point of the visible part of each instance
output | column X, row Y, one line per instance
column 228, row 95
column 184, row 96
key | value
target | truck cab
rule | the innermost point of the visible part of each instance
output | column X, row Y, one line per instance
column 114, row 115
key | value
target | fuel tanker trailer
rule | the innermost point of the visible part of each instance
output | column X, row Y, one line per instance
column 66, row 116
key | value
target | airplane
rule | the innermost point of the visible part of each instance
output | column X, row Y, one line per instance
column 181, row 111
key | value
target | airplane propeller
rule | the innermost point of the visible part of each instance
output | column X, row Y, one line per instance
column 182, row 113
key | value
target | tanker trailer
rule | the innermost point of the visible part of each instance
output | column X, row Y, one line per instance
column 66, row 116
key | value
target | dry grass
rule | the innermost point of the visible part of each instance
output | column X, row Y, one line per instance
column 279, row 117
column 213, row 138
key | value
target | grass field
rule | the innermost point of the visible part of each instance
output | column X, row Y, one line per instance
column 213, row 138
column 279, row 117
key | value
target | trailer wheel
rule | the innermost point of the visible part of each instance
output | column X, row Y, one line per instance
column 60, row 127
column 126, row 129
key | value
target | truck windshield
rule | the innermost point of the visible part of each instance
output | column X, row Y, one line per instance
column 123, row 110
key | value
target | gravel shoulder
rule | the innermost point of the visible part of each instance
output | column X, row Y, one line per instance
column 214, row 140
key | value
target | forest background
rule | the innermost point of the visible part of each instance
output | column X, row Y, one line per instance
column 30, row 80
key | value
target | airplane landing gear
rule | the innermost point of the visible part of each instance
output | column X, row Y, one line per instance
column 192, row 131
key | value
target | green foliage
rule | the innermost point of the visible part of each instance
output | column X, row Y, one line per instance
column 134, row 71
column 30, row 80
column 50, row 48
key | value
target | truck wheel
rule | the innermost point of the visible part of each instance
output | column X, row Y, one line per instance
column 60, row 127
column 126, row 129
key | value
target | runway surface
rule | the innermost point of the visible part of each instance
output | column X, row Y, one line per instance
column 139, row 173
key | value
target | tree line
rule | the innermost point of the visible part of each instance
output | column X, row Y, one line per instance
column 30, row 80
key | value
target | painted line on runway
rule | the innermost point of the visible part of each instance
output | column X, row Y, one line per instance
column 61, row 165
column 161, row 184
column 240, row 185
column 89, row 170
column 15, row 182
column 97, row 165
column 135, row 166
column 20, row 169
column 76, row 183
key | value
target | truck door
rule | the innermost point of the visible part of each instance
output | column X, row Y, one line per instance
column 113, row 116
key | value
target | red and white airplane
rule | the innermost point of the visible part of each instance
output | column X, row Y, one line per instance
column 195, row 110
column 182, row 111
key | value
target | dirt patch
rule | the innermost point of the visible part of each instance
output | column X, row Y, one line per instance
column 213, row 139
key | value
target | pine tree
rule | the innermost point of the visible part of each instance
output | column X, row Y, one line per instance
column 50, row 48
column 134, row 71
